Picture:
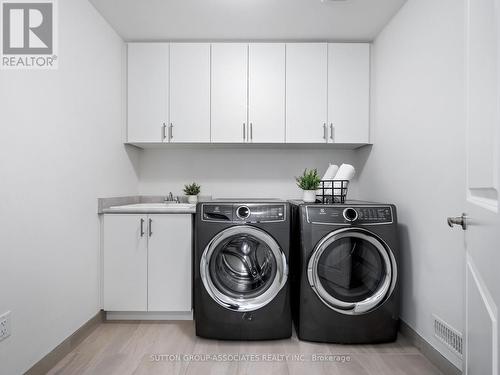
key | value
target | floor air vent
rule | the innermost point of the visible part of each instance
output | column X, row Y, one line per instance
column 449, row 336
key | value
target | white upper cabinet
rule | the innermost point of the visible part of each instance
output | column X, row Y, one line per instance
column 243, row 93
column 348, row 92
column 266, row 93
column 147, row 92
column 229, row 92
column 306, row 92
column 189, row 93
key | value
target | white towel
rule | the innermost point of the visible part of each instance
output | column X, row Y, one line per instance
column 329, row 175
column 345, row 172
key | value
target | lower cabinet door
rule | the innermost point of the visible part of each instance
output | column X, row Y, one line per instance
column 169, row 262
column 125, row 255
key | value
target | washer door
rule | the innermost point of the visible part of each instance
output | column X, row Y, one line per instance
column 352, row 271
column 243, row 268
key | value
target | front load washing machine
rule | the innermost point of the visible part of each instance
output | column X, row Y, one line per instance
column 345, row 272
column 241, row 270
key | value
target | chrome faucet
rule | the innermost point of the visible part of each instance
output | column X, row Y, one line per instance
column 170, row 198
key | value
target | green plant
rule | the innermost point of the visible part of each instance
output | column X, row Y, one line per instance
column 192, row 189
column 309, row 180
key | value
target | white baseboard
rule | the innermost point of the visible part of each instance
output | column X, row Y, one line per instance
column 44, row 365
column 442, row 363
column 146, row 315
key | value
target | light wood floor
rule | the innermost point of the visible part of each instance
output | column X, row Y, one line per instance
column 143, row 348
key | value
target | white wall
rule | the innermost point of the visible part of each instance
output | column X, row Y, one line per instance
column 417, row 160
column 61, row 149
column 244, row 172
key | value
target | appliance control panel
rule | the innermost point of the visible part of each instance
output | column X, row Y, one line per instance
column 349, row 214
column 244, row 213
column 217, row 212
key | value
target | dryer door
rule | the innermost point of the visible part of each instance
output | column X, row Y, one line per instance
column 352, row 271
column 243, row 268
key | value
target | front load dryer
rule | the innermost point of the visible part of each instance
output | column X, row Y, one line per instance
column 345, row 272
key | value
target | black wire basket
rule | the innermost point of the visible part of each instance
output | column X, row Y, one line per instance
column 332, row 191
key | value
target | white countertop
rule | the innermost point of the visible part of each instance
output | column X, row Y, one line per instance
column 152, row 208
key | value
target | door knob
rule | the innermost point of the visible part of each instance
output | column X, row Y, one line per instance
column 458, row 220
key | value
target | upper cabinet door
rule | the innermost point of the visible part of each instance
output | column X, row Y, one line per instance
column 229, row 92
column 306, row 92
column 348, row 92
column 147, row 92
column 189, row 92
column 266, row 93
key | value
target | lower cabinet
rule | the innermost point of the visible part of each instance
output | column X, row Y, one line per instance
column 147, row 262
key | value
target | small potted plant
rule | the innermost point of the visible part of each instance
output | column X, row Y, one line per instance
column 309, row 182
column 192, row 191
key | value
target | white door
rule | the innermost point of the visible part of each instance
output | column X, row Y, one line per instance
column 348, row 92
column 306, row 92
column 229, row 92
column 189, row 93
column 125, row 255
column 147, row 92
column 482, row 237
column 169, row 263
column 266, row 93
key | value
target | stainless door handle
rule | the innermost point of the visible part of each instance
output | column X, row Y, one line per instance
column 251, row 131
column 324, row 132
column 142, row 227
column 171, row 131
column 332, row 132
column 163, row 132
column 244, row 131
column 458, row 220
column 150, row 227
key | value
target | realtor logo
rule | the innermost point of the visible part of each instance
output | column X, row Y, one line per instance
column 28, row 34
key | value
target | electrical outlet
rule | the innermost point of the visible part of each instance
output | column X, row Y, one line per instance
column 5, row 326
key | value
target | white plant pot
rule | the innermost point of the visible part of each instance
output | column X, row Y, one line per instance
column 193, row 199
column 309, row 196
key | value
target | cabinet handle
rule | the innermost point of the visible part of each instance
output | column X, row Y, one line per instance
column 142, row 227
column 171, row 131
column 325, row 136
column 244, row 131
column 332, row 132
column 150, row 227
column 251, row 131
column 163, row 132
